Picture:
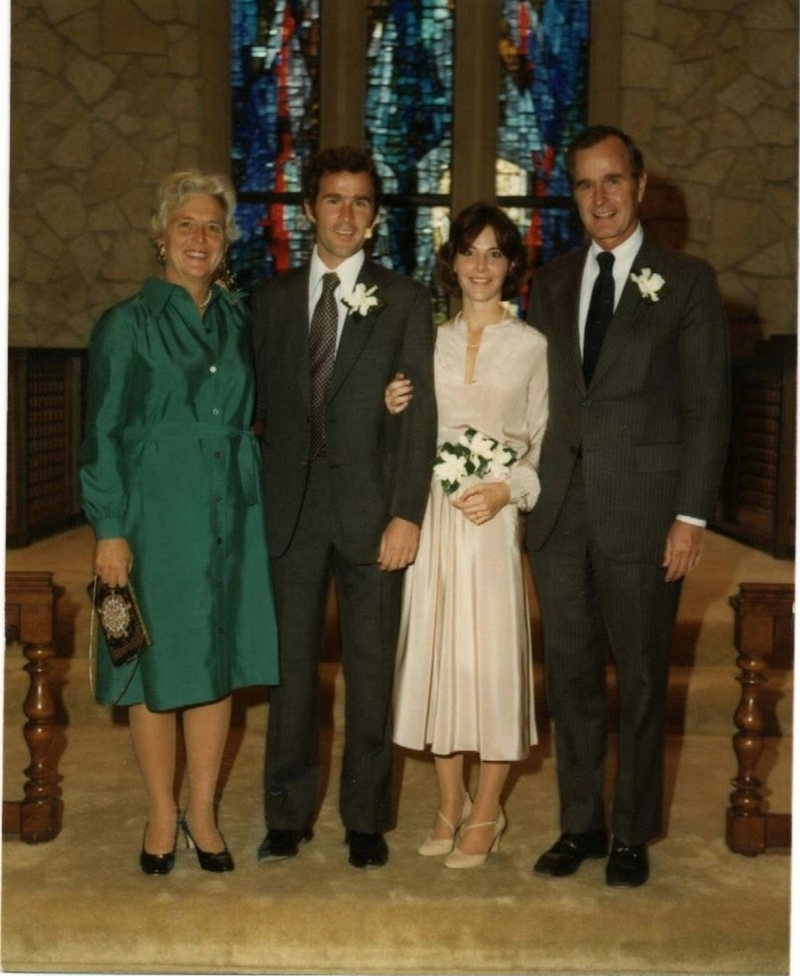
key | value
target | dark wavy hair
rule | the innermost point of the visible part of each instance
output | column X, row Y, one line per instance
column 340, row 159
column 597, row 133
column 463, row 231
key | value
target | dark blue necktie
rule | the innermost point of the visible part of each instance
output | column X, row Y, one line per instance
column 601, row 311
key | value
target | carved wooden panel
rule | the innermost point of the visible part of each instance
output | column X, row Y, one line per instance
column 757, row 497
column 44, row 431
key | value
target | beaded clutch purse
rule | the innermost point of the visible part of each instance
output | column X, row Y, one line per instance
column 121, row 619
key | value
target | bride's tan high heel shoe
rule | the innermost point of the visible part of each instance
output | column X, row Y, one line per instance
column 433, row 846
column 457, row 859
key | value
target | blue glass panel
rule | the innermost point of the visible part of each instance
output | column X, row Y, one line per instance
column 409, row 121
column 275, row 89
column 544, row 54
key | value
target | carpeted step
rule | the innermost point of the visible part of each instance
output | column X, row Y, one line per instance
column 81, row 904
column 314, row 913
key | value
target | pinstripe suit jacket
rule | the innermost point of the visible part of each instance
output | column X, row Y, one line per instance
column 652, row 427
column 380, row 465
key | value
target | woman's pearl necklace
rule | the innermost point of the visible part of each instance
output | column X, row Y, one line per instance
column 202, row 305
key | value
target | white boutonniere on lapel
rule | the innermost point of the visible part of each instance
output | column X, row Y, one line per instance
column 650, row 284
column 363, row 300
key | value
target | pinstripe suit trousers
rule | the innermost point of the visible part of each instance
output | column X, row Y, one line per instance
column 590, row 604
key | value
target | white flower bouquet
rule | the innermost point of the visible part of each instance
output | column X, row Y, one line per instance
column 473, row 453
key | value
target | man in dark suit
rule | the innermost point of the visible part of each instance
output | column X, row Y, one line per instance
column 346, row 489
column 630, row 465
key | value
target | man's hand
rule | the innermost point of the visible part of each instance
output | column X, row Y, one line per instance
column 683, row 549
column 113, row 560
column 399, row 544
column 483, row 501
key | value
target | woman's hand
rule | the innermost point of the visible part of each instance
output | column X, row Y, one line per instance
column 113, row 560
column 483, row 501
column 398, row 394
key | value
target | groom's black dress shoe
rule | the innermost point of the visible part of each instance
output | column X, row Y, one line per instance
column 628, row 867
column 280, row 844
column 570, row 851
column 367, row 850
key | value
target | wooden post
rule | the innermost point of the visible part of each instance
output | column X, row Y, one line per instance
column 764, row 621
column 30, row 606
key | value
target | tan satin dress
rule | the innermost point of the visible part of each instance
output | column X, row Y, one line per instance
column 464, row 679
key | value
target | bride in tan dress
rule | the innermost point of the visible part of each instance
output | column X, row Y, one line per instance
column 464, row 678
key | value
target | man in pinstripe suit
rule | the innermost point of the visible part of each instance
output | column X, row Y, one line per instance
column 630, row 465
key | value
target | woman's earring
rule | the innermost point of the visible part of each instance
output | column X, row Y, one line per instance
column 161, row 252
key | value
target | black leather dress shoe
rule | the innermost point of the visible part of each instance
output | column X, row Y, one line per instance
column 367, row 850
column 628, row 867
column 280, row 844
column 570, row 851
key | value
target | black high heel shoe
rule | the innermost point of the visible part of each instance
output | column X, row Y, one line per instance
column 157, row 863
column 219, row 862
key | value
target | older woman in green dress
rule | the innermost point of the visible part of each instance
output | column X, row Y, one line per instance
column 171, row 486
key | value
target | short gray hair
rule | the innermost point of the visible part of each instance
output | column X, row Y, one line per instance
column 177, row 186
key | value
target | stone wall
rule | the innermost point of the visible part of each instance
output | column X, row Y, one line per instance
column 709, row 88
column 105, row 101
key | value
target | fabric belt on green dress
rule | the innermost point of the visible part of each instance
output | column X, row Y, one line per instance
column 243, row 452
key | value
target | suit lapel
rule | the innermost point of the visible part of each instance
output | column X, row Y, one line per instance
column 566, row 309
column 627, row 315
column 357, row 329
column 298, row 361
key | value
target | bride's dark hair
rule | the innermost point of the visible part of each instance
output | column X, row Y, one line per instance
column 463, row 231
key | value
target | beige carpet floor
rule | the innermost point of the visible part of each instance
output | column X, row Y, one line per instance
column 80, row 903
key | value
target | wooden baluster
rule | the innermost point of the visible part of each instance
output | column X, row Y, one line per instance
column 41, row 808
column 763, row 611
column 745, row 816
column 30, row 598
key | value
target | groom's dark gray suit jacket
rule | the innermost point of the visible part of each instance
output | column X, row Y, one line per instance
column 380, row 465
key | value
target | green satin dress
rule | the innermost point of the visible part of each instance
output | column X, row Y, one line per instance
column 169, row 463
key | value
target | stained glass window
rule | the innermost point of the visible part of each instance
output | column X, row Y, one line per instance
column 275, row 70
column 275, row 90
column 409, row 121
column 544, row 54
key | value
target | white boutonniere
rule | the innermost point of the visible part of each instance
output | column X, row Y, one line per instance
column 650, row 284
column 362, row 300
column 473, row 453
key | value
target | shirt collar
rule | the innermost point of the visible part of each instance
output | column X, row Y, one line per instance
column 348, row 271
column 625, row 252
column 159, row 293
